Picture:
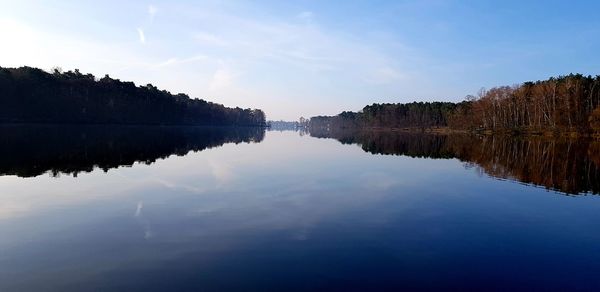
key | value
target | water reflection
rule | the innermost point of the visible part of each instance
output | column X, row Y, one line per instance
column 571, row 166
column 293, row 213
column 28, row 151
column 567, row 165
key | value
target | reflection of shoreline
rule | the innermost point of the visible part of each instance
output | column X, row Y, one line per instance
column 567, row 165
column 32, row 150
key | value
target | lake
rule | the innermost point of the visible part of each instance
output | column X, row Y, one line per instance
column 219, row 209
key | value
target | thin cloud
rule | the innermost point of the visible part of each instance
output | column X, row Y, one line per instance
column 384, row 75
column 177, row 61
column 152, row 10
column 167, row 62
column 210, row 39
column 306, row 16
column 141, row 35
column 303, row 46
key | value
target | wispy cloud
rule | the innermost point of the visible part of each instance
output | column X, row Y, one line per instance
column 280, row 56
column 306, row 16
column 141, row 35
column 384, row 75
column 209, row 39
column 177, row 61
column 299, row 45
column 152, row 10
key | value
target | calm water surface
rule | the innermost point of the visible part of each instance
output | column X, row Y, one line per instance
column 143, row 209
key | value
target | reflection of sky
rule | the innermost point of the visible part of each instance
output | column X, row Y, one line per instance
column 290, row 206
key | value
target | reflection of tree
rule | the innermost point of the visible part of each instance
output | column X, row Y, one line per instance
column 390, row 143
column 568, row 165
column 33, row 150
column 560, row 164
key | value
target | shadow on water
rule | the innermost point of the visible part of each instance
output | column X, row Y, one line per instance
column 32, row 150
column 571, row 166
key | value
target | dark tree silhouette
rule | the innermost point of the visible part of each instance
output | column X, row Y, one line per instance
column 30, row 95
column 390, row 115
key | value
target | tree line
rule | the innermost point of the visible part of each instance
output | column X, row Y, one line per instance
column 31, row 95
column 568, row 103
column 390, row 115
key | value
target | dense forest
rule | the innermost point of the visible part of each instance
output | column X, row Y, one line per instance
column 564, row 104
column 567, row 103
column 389, row 115
column 30, row 95
column 564, row 164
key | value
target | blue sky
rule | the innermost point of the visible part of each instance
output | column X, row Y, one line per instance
column 305, row 58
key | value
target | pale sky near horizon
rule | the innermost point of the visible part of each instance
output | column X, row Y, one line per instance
column 307, row 58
